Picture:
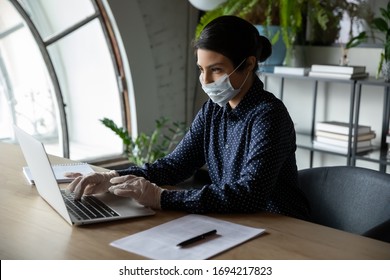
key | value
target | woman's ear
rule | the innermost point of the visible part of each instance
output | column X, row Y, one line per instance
column 251, row 62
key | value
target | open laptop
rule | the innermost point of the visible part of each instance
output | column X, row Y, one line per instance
column 91, row 209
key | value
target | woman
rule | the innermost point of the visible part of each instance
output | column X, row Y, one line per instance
column 243, row 134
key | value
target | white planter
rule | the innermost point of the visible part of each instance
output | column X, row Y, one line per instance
column 386, row 71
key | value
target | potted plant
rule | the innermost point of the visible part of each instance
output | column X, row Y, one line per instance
column 265, row 16
column 382, row 25
column 258, row 12
column 358, row 12
column 148, row 148
column 286, row 15
column 381, row 31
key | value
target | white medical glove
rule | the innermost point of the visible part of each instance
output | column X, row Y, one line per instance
column 91, row 183
column 145, row 192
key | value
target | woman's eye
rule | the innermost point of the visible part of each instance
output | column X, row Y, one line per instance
column 216, row 70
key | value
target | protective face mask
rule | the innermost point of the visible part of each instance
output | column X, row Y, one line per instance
column 221, row 91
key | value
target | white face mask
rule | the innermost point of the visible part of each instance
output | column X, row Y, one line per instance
column 221, row 91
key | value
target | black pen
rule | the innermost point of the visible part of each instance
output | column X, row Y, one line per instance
column 197, row 238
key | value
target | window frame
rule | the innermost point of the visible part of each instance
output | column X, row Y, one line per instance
column 102, row 16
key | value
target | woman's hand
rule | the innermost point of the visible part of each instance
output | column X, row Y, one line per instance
column 138, row 188
column 91, row 183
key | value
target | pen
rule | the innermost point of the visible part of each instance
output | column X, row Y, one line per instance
column 197, row 238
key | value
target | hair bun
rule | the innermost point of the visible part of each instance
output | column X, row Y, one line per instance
column 264, row 48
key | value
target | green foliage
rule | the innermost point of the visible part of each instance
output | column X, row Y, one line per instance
column 290, row 20
column 286, row 13
column 324, row 17
column 148, row 148
column 357, row 40
column 380, row 24
column 230, row 7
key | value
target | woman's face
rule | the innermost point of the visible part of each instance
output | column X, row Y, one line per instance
column 213, row 65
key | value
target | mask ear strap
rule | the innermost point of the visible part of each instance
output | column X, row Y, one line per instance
column 246, row 78
column 238, row 66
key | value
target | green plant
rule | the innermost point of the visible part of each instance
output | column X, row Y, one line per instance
column 381, row 25
column 291, row 23
column 357, row 40
column 230, row 7
column 325, row 24
column 148, row 148
column 286, row 13
column 333, row 11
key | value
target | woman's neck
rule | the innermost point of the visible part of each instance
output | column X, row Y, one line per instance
column 247, row 85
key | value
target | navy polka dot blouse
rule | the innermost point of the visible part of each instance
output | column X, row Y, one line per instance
column 250, row 155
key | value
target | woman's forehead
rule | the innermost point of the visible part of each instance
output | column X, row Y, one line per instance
column 207, row 58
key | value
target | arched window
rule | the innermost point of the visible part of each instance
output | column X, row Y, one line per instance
column 60, row 73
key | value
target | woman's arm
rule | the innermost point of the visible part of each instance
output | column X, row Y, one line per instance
column 179, row 165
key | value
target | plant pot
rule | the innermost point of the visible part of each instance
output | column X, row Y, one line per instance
column 294, row 57
column 278, row 48
column 386, row 71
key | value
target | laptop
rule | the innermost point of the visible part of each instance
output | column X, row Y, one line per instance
column 91, row 209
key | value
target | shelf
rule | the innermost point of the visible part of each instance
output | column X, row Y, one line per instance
column 308, row 78
column 376, row 156
column 305, row 141
column 374, row 82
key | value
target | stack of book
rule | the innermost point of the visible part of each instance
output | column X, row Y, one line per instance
column 297, row 71
column 350, row 72
column 334, row 136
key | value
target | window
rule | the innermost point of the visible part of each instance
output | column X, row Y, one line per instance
column 59, row 75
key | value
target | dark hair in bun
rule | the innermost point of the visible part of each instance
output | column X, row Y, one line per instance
column 265, row 48
column 234, row 38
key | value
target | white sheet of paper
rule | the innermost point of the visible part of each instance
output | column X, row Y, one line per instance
column 160, row 242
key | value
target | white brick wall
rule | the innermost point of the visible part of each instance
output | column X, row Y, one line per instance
column 170, row 38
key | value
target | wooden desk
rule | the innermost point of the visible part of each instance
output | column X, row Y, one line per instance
column 31, row 229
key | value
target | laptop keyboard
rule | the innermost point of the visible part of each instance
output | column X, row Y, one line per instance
column 89, row 207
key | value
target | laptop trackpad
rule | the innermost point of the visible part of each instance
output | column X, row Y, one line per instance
column 124, row 205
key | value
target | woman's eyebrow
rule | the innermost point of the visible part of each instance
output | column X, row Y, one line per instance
column 212, row 65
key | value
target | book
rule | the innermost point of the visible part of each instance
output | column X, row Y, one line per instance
column 361, row 137
column 341, row 127
column 340, row 76
column 60, row 170
column 298, row 71
column 342, row 143
column 330, row 68
column 339, row 149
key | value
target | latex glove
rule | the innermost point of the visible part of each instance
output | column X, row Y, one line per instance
column 142, row 190
column 92, row 183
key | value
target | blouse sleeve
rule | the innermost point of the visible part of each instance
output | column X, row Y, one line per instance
column 179, row 165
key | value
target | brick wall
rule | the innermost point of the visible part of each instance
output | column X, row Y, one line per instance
column 170, row 25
